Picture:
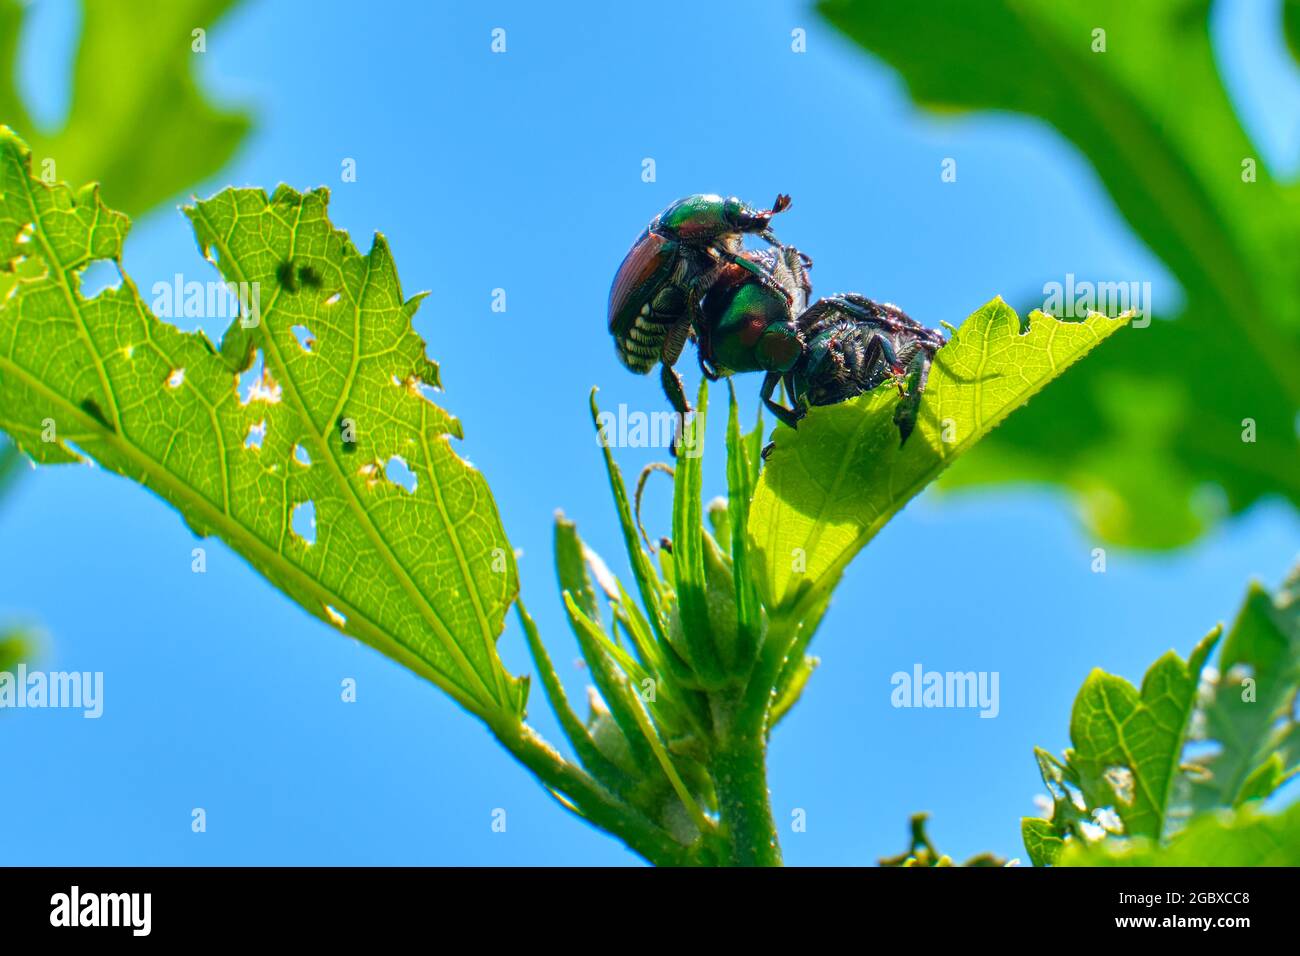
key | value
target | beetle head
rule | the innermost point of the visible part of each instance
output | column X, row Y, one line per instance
column 745, row 218
column 779, row 347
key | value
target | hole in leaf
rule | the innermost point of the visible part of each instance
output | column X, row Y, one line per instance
column 256, row 435
column 1123, row 783
column 303, row 521
column 176, row 379
column 300, row 456
column 1074, row 795
column 399, row 473
column 332, row 300
column 1108, row 820
column 1199, row 757
column 1238, row 673
column 337, row 619
column 25, row 233
column 305, row 338
column 256, row 384
column 99, row 276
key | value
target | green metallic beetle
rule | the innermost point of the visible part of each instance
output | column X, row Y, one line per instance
column 654, row 302
column 748, row 328
column 839, row 347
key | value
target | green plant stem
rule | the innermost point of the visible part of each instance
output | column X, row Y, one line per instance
column 591, row 800
column 739, row 772
column 756, row 703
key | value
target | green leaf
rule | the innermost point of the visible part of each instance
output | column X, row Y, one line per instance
column 720, row 523
column 648, row 584
column 1250, row 714
column 575, row 731
column 689, row 547
column 571, row 567
column 1151, row 115
column 1291, row 25
column 611, row 681
column 1262, row 782
column 1042, row 842
column 133, row 83
column 832, row 484
column 798, row 665
column 1140, row 753
column 613, row 676
column 741, row 480
column 425, row 576
column 1127, row 746
column 1244, row 838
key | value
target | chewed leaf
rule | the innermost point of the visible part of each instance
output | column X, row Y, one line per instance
column 1128, row 743
column 421, row 570
column 834, row 482
column 1250, row 717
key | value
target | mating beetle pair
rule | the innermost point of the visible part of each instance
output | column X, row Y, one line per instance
column 654, row 303
column 688, row 276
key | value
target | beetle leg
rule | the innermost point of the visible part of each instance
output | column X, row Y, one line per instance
column 695, row 320
column 758, row 271
column 861, row 308
column 787, row 415
column 676, row 392
column 707, row 369
column 673, row 387
column 908, row 410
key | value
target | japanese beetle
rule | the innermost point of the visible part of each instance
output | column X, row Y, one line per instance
column 655, row 299
column 851, row 345
column 748, row 328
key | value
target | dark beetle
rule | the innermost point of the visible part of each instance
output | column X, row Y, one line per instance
column 850, row 345
column 655, row 299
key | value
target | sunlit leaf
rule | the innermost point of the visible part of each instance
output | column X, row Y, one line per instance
column 830, row 485
column 424, row 574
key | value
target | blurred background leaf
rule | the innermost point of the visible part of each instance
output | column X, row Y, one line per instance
column 1244, row 838
column 1152, row 420
column 1291, row 25
column 133, row 83
column 15, row 644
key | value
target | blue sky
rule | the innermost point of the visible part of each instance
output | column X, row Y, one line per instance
column 522, row 171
